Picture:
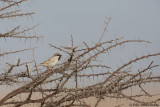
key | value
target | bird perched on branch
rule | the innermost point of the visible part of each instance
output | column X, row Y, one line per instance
column 51, row 62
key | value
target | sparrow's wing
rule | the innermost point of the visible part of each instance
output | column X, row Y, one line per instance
column 48, row 61
column 45, row 62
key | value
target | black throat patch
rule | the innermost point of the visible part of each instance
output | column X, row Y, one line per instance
column 59, row 57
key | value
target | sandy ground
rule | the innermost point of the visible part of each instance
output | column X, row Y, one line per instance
column 108, row 102
column 112, row 102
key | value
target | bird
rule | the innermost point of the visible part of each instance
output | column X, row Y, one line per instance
column 52, row 61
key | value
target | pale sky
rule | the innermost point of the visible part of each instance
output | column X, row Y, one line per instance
column 84, row 19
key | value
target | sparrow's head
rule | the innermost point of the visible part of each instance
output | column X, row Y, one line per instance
column 58, row 54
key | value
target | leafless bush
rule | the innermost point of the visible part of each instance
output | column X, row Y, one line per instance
column 52, row 85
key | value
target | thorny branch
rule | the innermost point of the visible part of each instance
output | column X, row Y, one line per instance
column 13, row 13
column 11, row 9
column 64, row 84
column 115, row 81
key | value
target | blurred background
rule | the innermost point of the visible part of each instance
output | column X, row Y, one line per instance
column 84, row 20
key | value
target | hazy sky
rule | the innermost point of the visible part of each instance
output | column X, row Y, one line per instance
column 84, row 19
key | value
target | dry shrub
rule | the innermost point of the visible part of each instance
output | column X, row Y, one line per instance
column 63, row 85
